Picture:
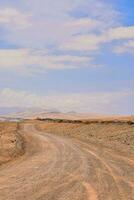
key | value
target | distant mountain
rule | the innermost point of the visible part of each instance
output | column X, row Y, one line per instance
column 72, row 112
column 7, row 111
column 34, row 112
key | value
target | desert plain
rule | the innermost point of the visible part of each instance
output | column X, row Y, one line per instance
column 62, row 159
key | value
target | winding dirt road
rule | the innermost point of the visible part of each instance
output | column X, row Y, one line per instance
column 57, row 168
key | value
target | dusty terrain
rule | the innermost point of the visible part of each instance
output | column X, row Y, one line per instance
column 71, row 162
column 118, row 136
column 10, row 142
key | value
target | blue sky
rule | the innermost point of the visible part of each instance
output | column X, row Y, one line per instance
column 68, row 55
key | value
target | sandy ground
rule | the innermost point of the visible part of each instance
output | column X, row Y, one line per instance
column 10, row 142
column 119, row 137
column 62, row 168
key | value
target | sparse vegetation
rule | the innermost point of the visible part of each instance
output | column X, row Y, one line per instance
column 91, row 121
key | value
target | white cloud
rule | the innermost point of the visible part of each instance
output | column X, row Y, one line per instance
column 97, row 102
column 93, row 42
column 121, row 33
column 83, row 24
column 62, row 9
column 11, row 18
column 54, row 22
column 31, row 61
column 125, row 47
column 90, row 42
column 53, row 26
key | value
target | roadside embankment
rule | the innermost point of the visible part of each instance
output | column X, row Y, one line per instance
column 11, row 144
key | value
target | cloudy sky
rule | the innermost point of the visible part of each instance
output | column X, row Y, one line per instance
column 68, row 55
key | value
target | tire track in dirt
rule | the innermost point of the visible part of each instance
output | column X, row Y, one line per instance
column 57, row 168
column 112, row 169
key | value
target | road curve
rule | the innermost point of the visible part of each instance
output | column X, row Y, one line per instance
column 57, row 168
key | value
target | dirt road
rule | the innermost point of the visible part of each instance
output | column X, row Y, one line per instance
column 57, row 168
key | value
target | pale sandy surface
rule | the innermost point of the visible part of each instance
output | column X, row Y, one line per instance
column 56, row 167
column 119, row 137
column 10, row 142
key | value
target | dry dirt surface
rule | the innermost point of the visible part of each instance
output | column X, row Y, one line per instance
column 118, row 136
column 10, row 142
column 63, row 168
